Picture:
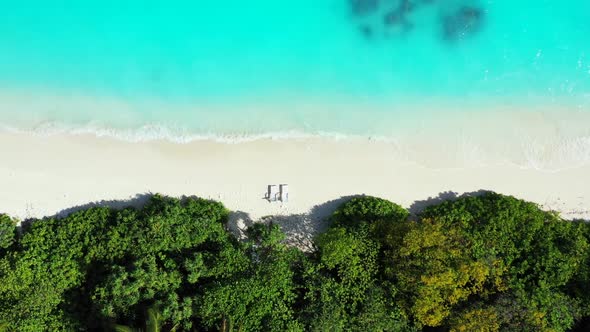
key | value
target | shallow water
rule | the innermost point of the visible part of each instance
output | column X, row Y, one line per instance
column 249, row 67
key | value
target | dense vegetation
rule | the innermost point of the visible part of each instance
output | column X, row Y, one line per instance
column 486, row 263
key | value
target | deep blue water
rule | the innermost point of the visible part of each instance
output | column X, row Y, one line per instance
column 265, row 65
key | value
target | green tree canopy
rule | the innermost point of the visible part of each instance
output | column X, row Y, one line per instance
column 485, row 263
column 7, row 232
column 343, row 285
column 261, row 296
column 368, row 209
column 487, row 251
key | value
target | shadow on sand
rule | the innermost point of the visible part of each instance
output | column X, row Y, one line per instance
column 419, row 206
column 300, row 229
column 138, row 201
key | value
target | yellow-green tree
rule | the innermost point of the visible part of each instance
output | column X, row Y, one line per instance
column 435, row 272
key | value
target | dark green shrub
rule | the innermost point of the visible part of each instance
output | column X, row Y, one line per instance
column 7, row 232
column 368, row 209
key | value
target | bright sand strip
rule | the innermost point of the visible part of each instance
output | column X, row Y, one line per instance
column 41, row 176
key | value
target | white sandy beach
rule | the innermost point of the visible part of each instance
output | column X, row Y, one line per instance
column 45, row 175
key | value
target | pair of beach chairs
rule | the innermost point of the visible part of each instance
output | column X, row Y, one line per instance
column 278, row 193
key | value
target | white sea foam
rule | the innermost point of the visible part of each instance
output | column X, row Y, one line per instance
column 156, row 132
column 434, row 136
column 438, row 150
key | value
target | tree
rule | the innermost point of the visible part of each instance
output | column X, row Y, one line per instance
column 368, row 209
column 50, row 261
column 475, row 319
column 486, row 263
column 173, row 248
column 261, row 297
column 7, row 232
column 435, row 273
column 579, row 286
column 343, row 289
column 99, row 266
column 153, row 323
column 528, row 257
column 145, row 279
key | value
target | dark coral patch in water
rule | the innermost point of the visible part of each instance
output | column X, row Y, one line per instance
column 364, row 7
column 397, row 17
column 367, row 31
column 389, row 17
column 399, row 13
column 464, row 22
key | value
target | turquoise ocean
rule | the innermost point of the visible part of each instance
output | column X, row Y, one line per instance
column 238, row 68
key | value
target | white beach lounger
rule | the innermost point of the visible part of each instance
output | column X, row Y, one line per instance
column 273, row 193
column 284, row 193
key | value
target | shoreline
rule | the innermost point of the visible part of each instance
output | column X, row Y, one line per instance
column 286, row 117
column 546, row 139
column 45, row 175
